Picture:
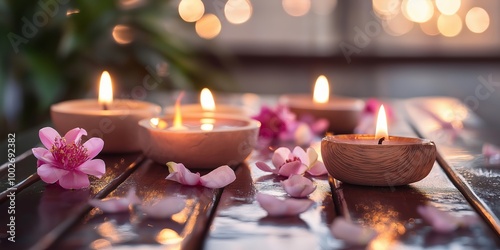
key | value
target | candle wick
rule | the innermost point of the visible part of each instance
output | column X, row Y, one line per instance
column 104, row 106
column 381, row 140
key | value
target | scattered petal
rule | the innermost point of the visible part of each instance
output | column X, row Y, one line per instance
column 298, row 186
column 288, row 207
column 317, row 169
column 266, row 168
column 218, row 178
column 351, row 233
column 179, row 173
column 291, row 168
column 164, row 208
column 444, row 222
column 117, row 204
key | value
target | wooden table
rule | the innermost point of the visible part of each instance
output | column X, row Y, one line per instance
column 47, row 216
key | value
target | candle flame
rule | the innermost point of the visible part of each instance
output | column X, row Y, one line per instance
column 381, row 129
column 207, row 100
column 105, row 90
column 178, row 117
column 207, row 124
column 321, row 90
column 157, row 123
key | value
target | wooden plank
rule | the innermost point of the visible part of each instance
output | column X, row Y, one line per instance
column 43, row 212
column 184, row 230
column 240, row 222
column 460, row 150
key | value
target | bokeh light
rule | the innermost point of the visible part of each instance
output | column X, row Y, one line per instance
column 208, row 26
column 122, row 34
column 448, row 7
column 191, row 10
column 449, row 26
column 386, row 9
column 238, row 11
column 398, row 25
column 418, row 11
column 296, row 7
column 477, row 20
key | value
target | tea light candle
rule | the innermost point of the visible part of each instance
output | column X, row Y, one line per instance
column 342, row 113
column 207, row 106
column 198, row 140
column 378, row 160
column 115, row 121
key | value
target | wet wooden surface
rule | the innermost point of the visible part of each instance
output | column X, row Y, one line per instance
column 48, row 216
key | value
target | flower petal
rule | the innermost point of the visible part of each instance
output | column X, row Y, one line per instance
column 218, row 178
column 50, row 174
column 47, row 136
column 298, row 186
column 288, row 207
column 320, row 126
column 299, row 152
column 351, row 233
column 490, row 150
column 280, row 155
column 116, row 204
column 303, row 134
column 75, row 135
column 312, row 155
column 317, row 169
column 164, row 208
column 266, row 168
column 74, row 180
column 95, row 167
column 94, row 146
column 180, row 174
column 440, row 221
column 291, row 168
column 43, row 155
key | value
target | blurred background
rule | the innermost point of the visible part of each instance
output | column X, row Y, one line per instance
column 55, row 50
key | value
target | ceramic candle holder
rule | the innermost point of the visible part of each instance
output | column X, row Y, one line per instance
column 117, row 126
column 359, row 159
column 229, row 141
column 342, row 113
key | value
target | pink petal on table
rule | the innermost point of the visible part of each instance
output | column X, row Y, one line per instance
column 288, row 207
column 291, row 168
column 47, row 136
column 299, row 152
column 75, row 135
column 266, row 168
column 352, row 233
column 50, row 174
column 95, row 167
column 298, row 186
column 94, row 146
column 439, row 220
column 164, row 208
column 320, row 126
column 74, row 180
column 180, row 174
column 280, row 156
column 116, row 204
column 218, row 178
column 317, row 169
column 490, row 150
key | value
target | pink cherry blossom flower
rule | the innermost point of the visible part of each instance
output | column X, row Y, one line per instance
column 287, row 207
column 298, row 186
column 66, row 160
column 444, row 222
column 117, row 204
column 298, row 161
column 217, row 178
column 352, row 233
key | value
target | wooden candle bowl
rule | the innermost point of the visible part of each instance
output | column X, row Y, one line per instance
column 358, row 159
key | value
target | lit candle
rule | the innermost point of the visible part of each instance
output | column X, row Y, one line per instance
column 342, row 113
column 377, row 160
column 198, row 140
column 115, row 121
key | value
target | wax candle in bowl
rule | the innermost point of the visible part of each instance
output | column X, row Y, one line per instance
column 115, row 121
column 342, row 113
column 207, row 106
column 378, row 160
column 199, row 141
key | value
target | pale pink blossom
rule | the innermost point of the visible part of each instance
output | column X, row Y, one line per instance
column 352, row 233
column 164, row 208
column 217, row 178
column 298, row 161
column 288, row 207
column 66, row 161
column 298, row 186
column 444, row 222
column 117, row 204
